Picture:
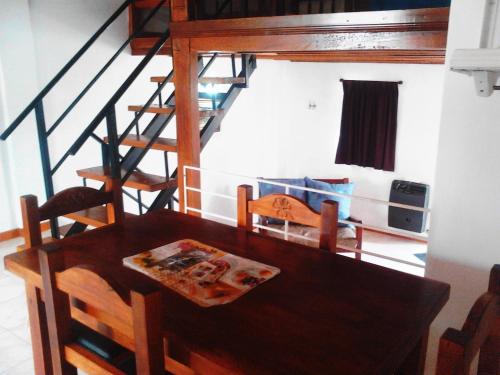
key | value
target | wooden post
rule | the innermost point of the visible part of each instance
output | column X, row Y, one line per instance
column 245, row 194
column 179, row 10
column 39, row 332
column 187, row 118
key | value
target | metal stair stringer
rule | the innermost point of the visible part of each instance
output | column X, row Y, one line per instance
column 211, row 127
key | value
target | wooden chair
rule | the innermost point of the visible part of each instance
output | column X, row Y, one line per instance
column 480, row 333
column 358, row 231
column 287, row 207
column 131, row 318
column 65, row 202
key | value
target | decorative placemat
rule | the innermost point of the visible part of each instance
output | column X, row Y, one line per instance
column 203, row 274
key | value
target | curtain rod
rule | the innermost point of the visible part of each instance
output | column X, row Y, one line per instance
column 398, row 82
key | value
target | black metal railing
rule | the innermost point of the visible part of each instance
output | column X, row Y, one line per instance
column 212, row 9
column 224, row 102
column 123, row 166
column 107, row 113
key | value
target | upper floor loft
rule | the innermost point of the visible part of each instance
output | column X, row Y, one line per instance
column 400, row 31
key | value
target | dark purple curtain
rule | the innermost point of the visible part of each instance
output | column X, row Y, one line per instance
column 369, row 124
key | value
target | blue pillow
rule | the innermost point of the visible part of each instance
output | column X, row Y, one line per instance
column 314, row 199
column 267, row 189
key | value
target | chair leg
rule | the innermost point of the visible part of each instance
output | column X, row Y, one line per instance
column 39, row 332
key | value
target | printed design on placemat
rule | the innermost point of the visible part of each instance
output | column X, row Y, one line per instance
column 201, row 273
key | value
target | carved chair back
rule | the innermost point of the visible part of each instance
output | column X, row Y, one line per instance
column 289, row 208
column 480, row 333
column 132, row 318
column 68, row 201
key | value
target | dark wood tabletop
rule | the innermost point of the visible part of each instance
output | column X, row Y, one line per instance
column 323, row 314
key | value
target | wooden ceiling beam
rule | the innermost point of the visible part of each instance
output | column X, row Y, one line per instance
column 377, row 56
column 363, row 36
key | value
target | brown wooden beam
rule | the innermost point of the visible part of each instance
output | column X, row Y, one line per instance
column 376, row 56
column 179, row 10
column 187, row 118
column 322, row 42
column 431, row 19
column 411, row 30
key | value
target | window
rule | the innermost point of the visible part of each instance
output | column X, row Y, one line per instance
column 369, row 124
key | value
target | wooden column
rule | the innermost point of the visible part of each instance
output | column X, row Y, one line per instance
column 179, row 10
column 188, row 118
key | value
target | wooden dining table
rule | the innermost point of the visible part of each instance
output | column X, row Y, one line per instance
column 323, row 314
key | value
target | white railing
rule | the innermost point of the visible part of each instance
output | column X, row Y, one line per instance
column 285, row 232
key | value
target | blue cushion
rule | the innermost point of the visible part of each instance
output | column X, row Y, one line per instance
column 267, row 189
column 315, row 199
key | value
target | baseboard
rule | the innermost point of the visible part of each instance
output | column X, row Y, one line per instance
column 18, row 232
column 10, row 234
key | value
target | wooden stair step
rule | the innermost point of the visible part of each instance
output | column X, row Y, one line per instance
column 137, row 180
column 95, row 216
column 222, row 80
column 141, row 141
column 168, row 110
column 160, row 79
column 208, row 80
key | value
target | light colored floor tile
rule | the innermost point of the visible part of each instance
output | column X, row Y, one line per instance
column 13, row 312
column 14, row 352
column 22, row 331
column 7, row 247
column 11, row 287
column 394, row 247
column 25, row 368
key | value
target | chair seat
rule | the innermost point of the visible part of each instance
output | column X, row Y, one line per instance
column 45, row 241
column 346, row 236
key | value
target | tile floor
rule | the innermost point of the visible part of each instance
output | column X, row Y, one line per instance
column 15, row 346
column 395, row 247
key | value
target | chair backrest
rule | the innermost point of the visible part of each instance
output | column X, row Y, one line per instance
column 131, row 318
column 289, row 208
column 480, row 333
column 344, row 180
column 68, row 201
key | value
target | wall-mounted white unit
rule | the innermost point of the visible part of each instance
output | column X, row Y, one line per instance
column 483, row 64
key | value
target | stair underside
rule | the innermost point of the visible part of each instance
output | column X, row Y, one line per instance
column 208, row 80
column 95, row 216
column 137, row 180
column 168, row 110
column 141, row 141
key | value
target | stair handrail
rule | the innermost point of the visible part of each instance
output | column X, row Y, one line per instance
column 37, row 100
column 167, row 79
column 132, row 36
column 37, row 104
column 80, row 141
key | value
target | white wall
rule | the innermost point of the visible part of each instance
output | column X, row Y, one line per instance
column 38, row 38
column 271, row 132
column 465, row 239
column 18, row 85
column 7, row 219
column 60, row 29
